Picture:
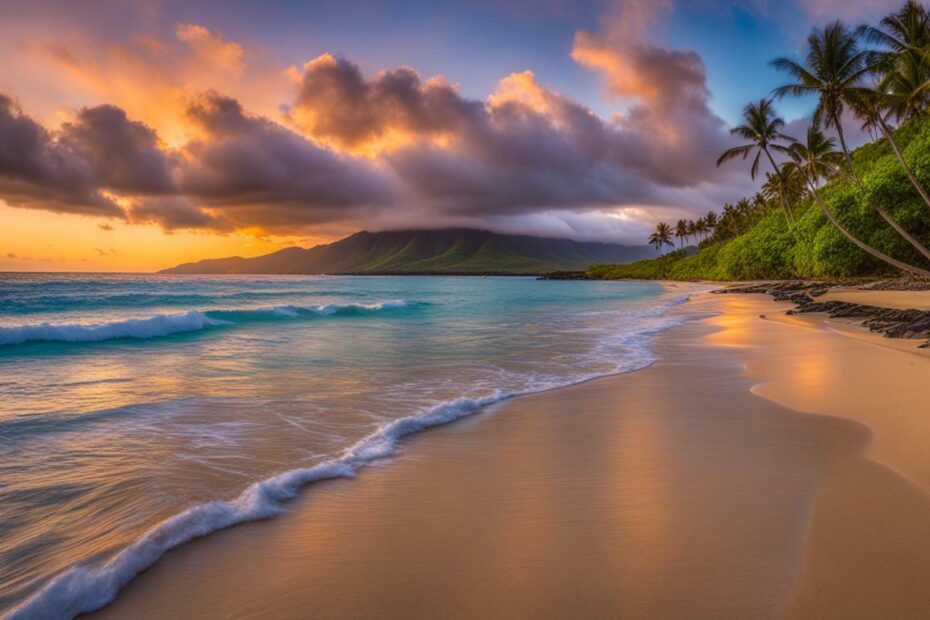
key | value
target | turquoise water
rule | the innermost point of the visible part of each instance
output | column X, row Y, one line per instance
column 140, row 411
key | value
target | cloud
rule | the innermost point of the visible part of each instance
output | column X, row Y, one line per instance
column 124, row 154
column 38, row 171
column 86, row 166
column 211, row 47
column 152, row 75
column 669, row 133
column 526, row 148
column 10, row 255
column 262, row 174
column 173, row 148
column 174, row 213
column 336, row 105
column 105, row 227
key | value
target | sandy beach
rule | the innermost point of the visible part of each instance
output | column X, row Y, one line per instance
column 763, row 468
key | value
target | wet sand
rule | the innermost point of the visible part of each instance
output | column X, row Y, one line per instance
column 903, row 300
column 695, row 488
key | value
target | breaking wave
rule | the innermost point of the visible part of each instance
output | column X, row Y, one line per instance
column 166, row 324
column 84, row 588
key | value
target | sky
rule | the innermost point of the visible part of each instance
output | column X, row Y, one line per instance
column 135, row 135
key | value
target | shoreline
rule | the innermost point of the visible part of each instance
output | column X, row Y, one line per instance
column 84, row 588
column 480, row 461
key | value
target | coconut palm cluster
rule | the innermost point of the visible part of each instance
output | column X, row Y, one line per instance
column 878, row 76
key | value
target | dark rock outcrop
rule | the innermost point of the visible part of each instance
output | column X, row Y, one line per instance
column 890, row 322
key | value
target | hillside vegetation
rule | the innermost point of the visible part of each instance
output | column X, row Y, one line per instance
column 761, row 245
column 824, row 212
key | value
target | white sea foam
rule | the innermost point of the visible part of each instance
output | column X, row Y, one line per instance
column 166, row 324
column 151, row 327
column 85, row 588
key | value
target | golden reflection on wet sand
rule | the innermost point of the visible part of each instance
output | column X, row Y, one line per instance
column 668, row 492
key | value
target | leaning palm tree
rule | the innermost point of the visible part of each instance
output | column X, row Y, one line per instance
column 787, row 183
column 901, row 63
column 774, row 186
column 762, row 128
column 661, row 237
column 869, row 105
column 681, row 232
column 903, row 87
column 908, row 28
column 692, row 230
column 902, row 60
column 833, row 68
column 700, row 230
column 817, row 159
column 744, row 208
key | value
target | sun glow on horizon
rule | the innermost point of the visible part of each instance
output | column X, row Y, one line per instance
column 43, row 241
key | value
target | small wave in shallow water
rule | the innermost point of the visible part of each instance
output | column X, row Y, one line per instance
column 167, row 324
column 203, row 429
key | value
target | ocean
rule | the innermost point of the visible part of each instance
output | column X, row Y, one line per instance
column 140, row 411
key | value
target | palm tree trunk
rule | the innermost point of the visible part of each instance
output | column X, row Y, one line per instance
column 884, row 214
column 781, row 195
column 849, row 162
column 898, row 229
column 863, row 246
column 910, row 175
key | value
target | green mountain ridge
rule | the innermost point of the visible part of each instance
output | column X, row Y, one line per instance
column 444, row 251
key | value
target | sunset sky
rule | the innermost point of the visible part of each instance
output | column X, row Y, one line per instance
column 136, row 135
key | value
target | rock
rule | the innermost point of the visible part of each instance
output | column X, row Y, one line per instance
column 891, row 322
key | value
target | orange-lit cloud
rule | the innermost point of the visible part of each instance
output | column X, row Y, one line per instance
column 152, row 77
column 211, row 48
column 336, row 105
column 194, row 133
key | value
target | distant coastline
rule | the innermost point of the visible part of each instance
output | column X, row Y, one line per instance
column 453, row 251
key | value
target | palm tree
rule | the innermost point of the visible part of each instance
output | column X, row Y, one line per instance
column 692, row 229
column 817, row 159
column 710, row 221
column 681, row 231
column 762, row 128
column 868, row 104
column 903, row 89
column 661, row 237
column 905, row 39
column 904, row 31
column 703, row 229
column 744, row 208
column 833, row 68
column 774, row 186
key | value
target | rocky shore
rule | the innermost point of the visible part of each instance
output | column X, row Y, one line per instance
column 891, row 322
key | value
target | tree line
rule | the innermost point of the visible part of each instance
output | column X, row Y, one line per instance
column 879, row 75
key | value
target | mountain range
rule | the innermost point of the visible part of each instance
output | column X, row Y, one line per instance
column 446, row 251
